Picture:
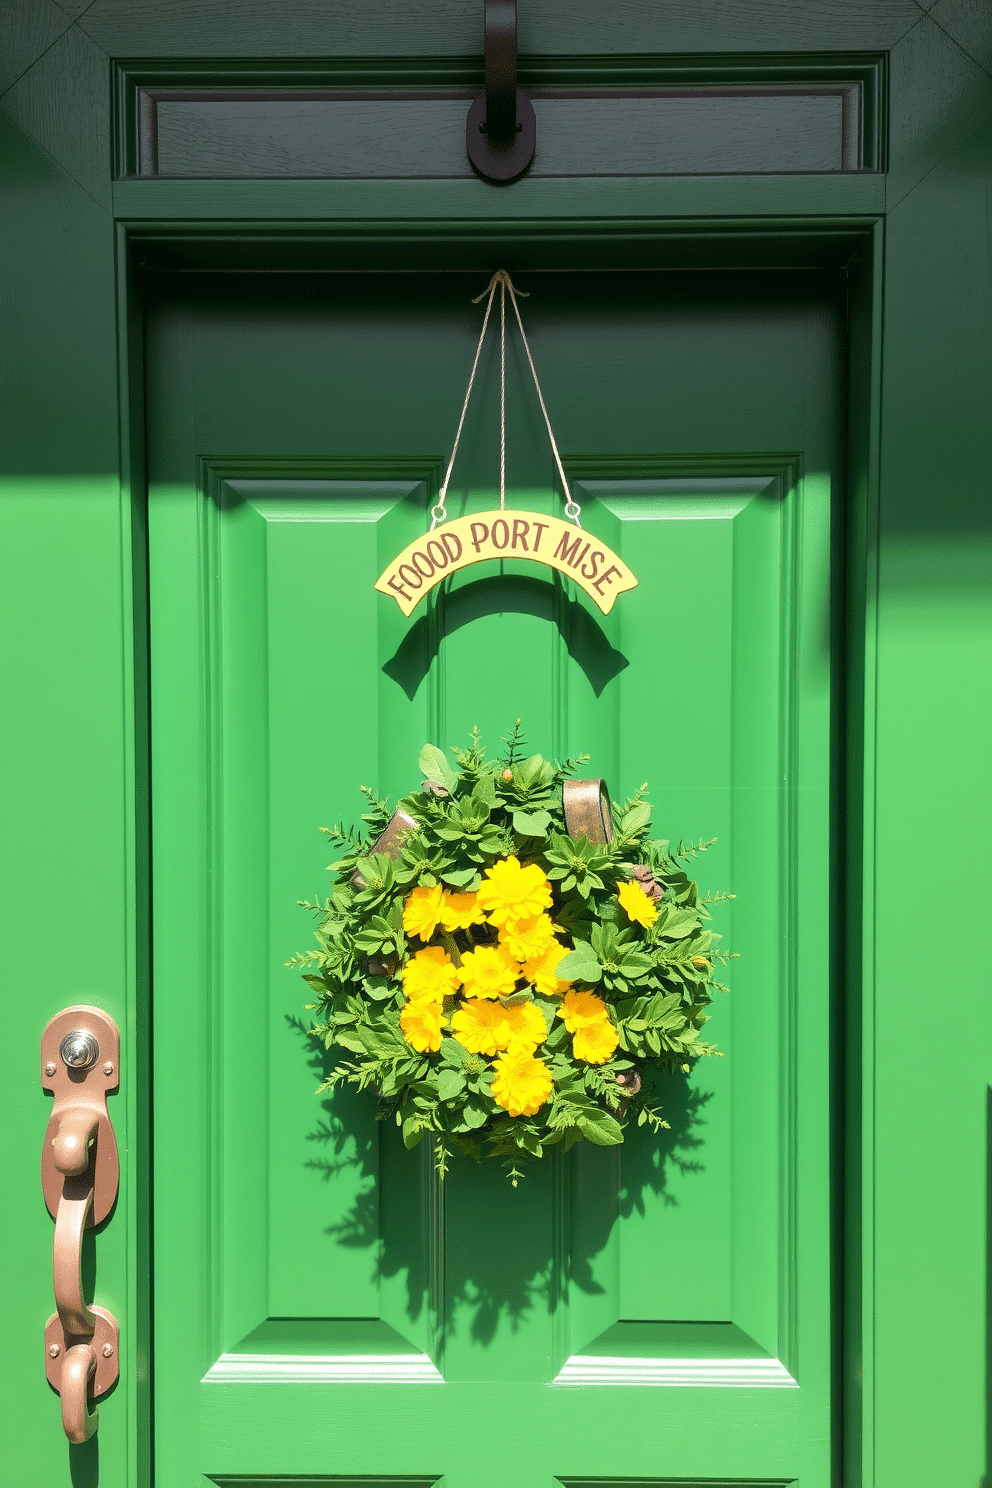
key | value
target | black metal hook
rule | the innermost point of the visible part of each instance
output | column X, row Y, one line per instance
column 501, row 132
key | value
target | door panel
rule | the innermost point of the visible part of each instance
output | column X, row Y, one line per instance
column 323, row 1308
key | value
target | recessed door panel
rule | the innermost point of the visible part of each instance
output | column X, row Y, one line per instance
column 324, row 1307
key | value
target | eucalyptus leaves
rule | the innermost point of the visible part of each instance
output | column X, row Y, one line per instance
column 500, row 984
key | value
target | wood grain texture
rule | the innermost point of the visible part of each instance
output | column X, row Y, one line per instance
column 673, row 134
column 74, row 8
column 938, row 96
column 29, row 28
column 64, row 104
column 309, row 28
column 969, row 23
column 474, row 201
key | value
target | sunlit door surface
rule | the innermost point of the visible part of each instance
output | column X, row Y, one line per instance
column 324, row 1311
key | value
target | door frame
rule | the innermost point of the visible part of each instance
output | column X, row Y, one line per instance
column 854, row 246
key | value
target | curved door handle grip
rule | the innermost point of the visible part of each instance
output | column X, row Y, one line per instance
column 80, row 1054
column 78, row 1371
column 67, row 1258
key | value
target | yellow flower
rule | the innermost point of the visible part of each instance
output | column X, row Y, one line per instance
column 429, row 976
column 527, row 1028
column 482, row 1027
column 636, row 904
column 458, row 911
column 486, row 1027
column 526, row 939
column 541, row 970
column 421, row 1023
column 422, row 911
column 581, row 1010
column 489, row 971
column 522, row 1083
column 595, row 1043
column 511, row 893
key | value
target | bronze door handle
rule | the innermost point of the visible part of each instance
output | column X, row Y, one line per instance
column 80, row 1057
column 78, row 1371
column 75, row 1136
column 71, row 1219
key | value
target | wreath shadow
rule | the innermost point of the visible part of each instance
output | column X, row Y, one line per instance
column 505, row 1256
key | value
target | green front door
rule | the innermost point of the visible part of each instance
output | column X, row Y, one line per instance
column 323, row 1311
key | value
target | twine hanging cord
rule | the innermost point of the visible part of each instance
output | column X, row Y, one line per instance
column 502, row 281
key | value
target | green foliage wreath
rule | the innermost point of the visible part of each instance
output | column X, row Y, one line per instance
column 500, row 981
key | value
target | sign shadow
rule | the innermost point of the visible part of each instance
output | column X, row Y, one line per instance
column 584, row 637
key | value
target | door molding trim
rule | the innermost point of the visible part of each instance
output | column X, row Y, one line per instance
column 849, row 245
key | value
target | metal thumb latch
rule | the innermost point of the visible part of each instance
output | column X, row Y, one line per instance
column 80, row 1064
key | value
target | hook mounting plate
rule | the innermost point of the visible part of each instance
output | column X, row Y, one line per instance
column 497, row 162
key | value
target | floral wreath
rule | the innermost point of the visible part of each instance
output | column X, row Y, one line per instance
column 506, row 959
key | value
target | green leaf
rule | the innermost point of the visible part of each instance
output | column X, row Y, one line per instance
column 349, row 1041
column 460, row 876
column 680, row 924
column 449, row 1084
column 413, row 1130
column 475, row 1114
column 579, row 965
column 485, row 790
column 637, row 817
column 601, row 1128
column 435, row 767
column 531, row 823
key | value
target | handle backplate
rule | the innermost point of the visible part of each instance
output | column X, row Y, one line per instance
column 80, row 1110
column 106, row 1334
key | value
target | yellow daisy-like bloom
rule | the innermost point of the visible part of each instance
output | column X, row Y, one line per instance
column 541, row 970
column 482, row 1027
column 511, row 893
column 429, row 976
column 522, row 1083
column 526, row 939
column 421, row 1023
column 489, row 971
column 458, row 911
column 637, row 905
column 581, row 1010
column 527, row 1028
column 486, row 1027
column 596, row 1043
column 422, row 910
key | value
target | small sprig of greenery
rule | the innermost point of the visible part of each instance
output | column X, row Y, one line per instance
column 657, row 982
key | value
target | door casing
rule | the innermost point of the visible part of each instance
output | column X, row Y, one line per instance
column 854, row 246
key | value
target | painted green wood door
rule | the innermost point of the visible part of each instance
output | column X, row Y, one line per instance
column 323, row 1313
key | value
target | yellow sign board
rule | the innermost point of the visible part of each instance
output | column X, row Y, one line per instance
column 506, row 534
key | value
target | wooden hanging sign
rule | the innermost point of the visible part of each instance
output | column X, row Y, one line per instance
column 506, row 534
